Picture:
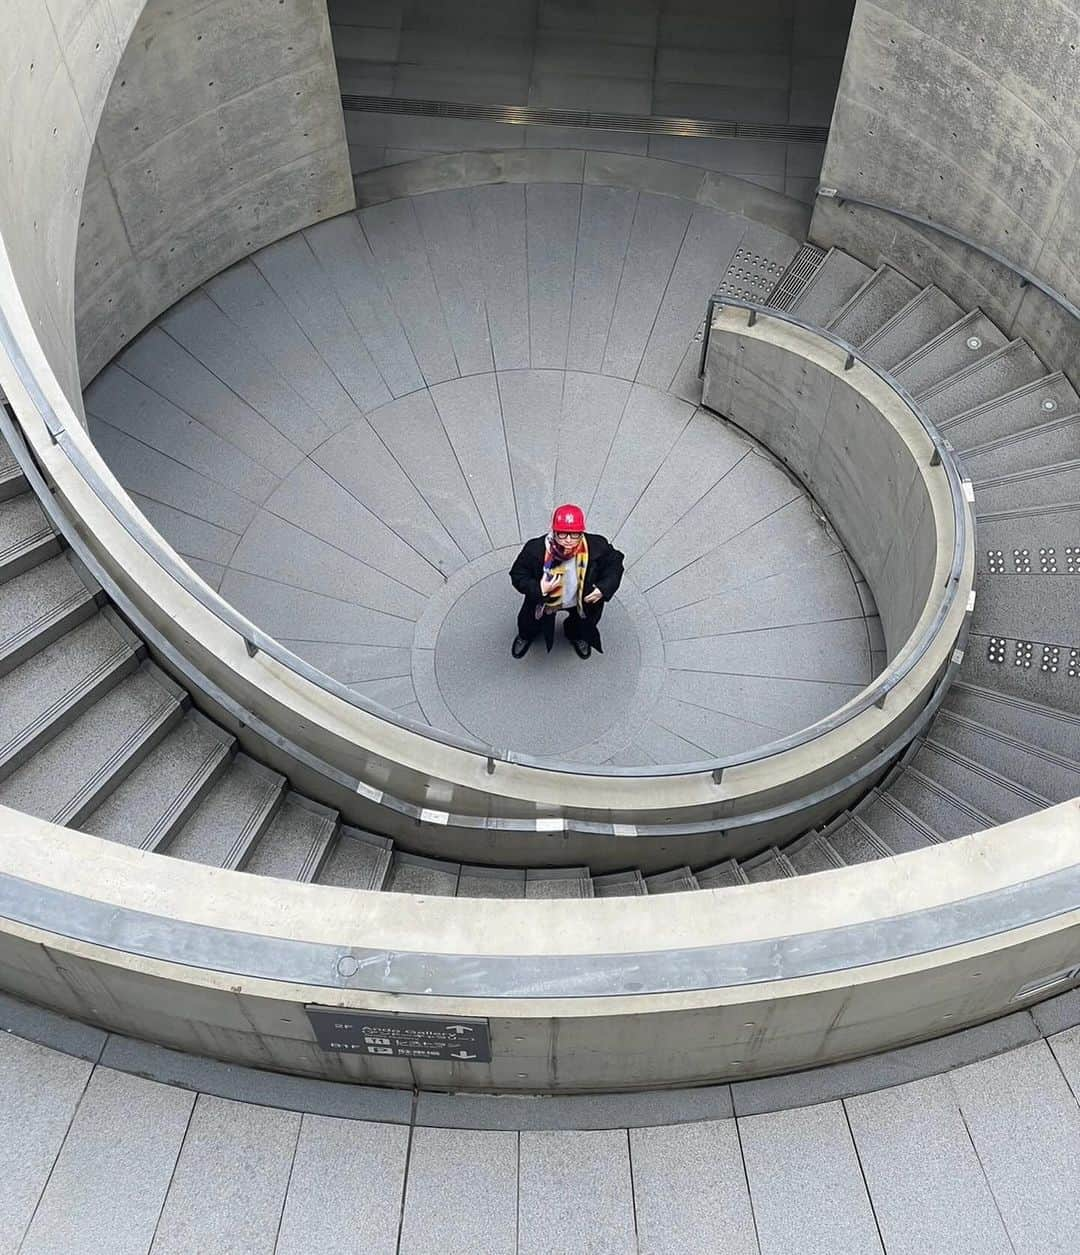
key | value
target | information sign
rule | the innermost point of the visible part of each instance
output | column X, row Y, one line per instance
column 461, row 1040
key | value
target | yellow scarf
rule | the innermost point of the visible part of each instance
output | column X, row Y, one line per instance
column 555, row 568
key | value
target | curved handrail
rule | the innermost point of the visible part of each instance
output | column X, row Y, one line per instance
column 1028, row 278
column 256, row 641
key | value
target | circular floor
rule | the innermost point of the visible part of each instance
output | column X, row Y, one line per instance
column 351, row 433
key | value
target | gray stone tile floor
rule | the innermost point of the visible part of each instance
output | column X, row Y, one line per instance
column 775, row 61
column 350, row 433
column 93, row 1159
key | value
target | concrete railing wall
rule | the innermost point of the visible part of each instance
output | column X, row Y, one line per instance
column 860, row 452
column 968, row 114
column 615, row 993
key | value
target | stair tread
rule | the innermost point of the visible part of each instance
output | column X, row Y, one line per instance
column 491, row 882
column 26, row 537
column 921, row 319
column 885, row 293
column 816, row 855
column 1031, row 723
column 1013, row 411
column 1048, row 444
column 359, row 860
column 430, row 877
column 1041, row 772
column 990, row 377
column 677, row 880
column 165, row 787
column 569, row 882
column 772, row 865
column 721, row 875
column 931, row 804
column 233, row 814
column 295, row 842
column 969, row 340
column 630, row 884
column 38, row 606
column 830, row 287
column 42, row 692
column 69, row 775
column 855, row 844
column 980, row 787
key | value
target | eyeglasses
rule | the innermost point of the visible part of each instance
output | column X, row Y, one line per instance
column 568, row 535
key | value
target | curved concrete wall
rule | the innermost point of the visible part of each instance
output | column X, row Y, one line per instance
column 222, row 132
column 966, row 113
column 616, row 993
column 168, row 183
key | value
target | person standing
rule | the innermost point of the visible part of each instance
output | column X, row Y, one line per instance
column 569, row 571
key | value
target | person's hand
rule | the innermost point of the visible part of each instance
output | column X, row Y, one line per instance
column 548, row 584
column 593, row 597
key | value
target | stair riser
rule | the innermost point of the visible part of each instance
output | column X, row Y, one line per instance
column 52, row 722
column 47, row 630
column 210, row 772
column 245, row 844
column 143, row 740
column 23, row 558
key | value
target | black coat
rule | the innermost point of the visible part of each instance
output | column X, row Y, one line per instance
column 603, row 571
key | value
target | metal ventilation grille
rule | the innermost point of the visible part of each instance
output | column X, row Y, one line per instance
column 525, row 115
column 802, row 269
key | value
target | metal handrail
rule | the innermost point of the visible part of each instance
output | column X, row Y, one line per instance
column 256, row 641
column 1027, row 277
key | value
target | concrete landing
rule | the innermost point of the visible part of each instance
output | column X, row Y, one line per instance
column 351, row 433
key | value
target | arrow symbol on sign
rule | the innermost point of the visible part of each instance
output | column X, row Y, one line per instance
column 461, row 1054
column 456, row 1028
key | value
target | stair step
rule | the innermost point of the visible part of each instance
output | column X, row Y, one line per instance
column 799, row 271
column 721, row 875
column 1024, row 491
column 1013, row 412
column 67, row 779
column 968, row 340
column 981, row 787
column 26, row 537
column 1049, row 444
column 884, row 294
column 816, row 855
column 39, row 606
column 991, row 377
column 1042, row 773
column 830, row 288
column 677, row 880
column 359, row 860
column 49, row 691
column 772, row 865
column 225, row 828
column 558, row 882
column 1057, row 690
column 1002, row 538
column 491, row 882
column 1032, row 724
column 297, row 842
column 163, row 791
column 940, row 811
column 629, row 884
column 431, row 877
column 921, row 319
column 898, row 825
column 12, row 480
column 855, row 842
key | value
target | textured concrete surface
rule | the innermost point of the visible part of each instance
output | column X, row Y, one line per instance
column 219, row 133
column 767, row 63
column 322, row 429
column 966, row 114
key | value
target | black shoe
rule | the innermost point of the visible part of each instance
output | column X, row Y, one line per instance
column 520, row 647
column 582, row 648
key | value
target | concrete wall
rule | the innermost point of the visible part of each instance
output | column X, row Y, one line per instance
column 616, row 993
column 57, row 60
column 966, row 113
column 222, row 131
